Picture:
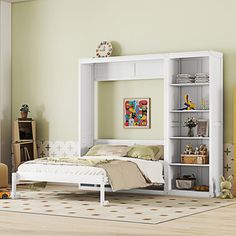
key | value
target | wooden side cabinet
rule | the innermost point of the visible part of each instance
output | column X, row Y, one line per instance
column 24, row 142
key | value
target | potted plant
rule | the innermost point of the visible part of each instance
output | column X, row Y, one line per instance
column 24, row 111
column 190, row 122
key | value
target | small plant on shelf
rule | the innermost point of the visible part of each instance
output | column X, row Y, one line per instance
column 190, row 122
column 24, row 111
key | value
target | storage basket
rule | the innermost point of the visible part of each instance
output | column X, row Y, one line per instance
column 194, row 159
column 185, row 183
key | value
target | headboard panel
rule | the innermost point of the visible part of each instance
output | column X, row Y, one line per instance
column 129, row 142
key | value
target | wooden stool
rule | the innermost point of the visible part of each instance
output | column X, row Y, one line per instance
column 3, row 175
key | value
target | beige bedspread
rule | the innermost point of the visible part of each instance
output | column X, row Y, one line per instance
column 123, row 175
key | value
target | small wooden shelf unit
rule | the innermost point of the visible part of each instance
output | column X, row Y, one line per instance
column 24, row 142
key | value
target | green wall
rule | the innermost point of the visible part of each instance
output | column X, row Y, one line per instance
column 49, row 36
column 110, row 108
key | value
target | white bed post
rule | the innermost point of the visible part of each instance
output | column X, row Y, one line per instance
column 102, row 193
column 14, row 182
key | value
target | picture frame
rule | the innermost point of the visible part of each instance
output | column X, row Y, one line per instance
column 202, row 128
column 136, row 113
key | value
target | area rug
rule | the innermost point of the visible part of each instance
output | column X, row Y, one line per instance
column 125, row 207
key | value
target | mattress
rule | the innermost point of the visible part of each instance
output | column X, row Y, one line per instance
column 153, row 170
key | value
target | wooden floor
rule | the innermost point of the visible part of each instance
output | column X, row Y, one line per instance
column 221, row 221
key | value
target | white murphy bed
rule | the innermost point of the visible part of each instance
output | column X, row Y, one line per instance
column 165, row 67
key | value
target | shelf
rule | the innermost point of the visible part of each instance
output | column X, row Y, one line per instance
column 190, row 84
column 190, row 165
column 192, row 138
column 189, row 111
column 25, row 141
column 191, row 193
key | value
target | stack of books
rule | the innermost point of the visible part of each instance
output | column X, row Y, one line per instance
column 201, row 78
column 185, row 78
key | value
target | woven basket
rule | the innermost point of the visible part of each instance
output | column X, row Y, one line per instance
column 194, row 159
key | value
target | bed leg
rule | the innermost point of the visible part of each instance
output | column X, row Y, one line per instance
column 14, row 182
column 102, row 195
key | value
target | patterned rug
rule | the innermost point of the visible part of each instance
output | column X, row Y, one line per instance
column 125, row 207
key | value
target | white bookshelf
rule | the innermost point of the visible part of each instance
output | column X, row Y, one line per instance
column 177, row 139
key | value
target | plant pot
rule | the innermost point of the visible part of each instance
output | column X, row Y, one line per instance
column 24, row 115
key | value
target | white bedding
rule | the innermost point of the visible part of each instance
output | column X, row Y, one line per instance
column 153, row 170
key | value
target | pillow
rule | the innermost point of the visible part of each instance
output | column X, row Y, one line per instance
column 108, row 150
column 146, row 152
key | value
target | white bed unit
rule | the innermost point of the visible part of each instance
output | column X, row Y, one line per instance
column 166, row 67
column 159, row 66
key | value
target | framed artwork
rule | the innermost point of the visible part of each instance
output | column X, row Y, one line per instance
column 202, row 128
column 136, row 113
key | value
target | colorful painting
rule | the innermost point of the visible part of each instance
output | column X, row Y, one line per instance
column 136, row 113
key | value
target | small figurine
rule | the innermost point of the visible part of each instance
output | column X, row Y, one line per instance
column 226, row 186
column 196, row 152
column 203, row 150
column 189, row 105
column 188, row 149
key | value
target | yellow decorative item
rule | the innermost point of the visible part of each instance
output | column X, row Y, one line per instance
column 3, row 175
column 189, row 105
column 4, row 194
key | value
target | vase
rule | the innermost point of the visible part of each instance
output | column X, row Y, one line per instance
column 24, row 115
column 190, row 132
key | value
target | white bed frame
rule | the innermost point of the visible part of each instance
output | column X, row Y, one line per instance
column 98, row 182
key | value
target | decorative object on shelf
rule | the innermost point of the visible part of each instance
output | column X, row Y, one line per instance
column 190, row 122
column 202, row 188
column 203, row 150
column 201, row 78
column 204, row 104
column 136, row 112
column 185, row 78
column 197, row 156
column 189, row 105
column 226, row 186
column 24, row 111
column 194, row 159
column 202, row 128
column 196, row 152
column 188, row 149
column 186, row 182
column 104, row 49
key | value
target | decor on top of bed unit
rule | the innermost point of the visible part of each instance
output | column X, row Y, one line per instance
column 137, row 113
column 190, row 122
column 104, row 49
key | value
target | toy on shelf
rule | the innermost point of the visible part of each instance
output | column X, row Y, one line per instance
column 189, row 105
column 203, row 150
column 226, row 186
column 188, row 149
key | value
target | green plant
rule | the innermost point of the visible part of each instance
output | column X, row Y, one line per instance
column 24, row 108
